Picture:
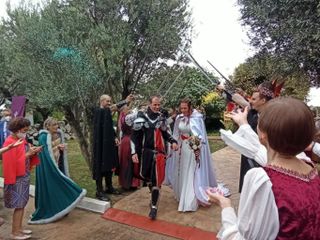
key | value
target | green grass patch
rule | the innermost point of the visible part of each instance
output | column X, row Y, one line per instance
column 213, row 133
column 78, row 168
column 216, row 145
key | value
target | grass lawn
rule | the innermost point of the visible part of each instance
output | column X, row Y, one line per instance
column 79, row 170
column 216, row 145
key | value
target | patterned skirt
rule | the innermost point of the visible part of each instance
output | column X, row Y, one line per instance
column 17, row 195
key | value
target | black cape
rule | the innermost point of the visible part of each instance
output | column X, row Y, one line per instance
column 105, row 154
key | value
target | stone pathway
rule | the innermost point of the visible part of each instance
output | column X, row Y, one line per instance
column 81, row 224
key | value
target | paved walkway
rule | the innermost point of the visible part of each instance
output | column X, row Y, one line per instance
column 80, row 224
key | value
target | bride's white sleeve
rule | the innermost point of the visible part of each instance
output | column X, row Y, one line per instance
column 258, row 213
column 246, row 141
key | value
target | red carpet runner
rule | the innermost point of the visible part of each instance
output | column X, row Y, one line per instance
column 157, row 226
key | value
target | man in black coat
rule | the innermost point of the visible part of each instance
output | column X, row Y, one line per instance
column 105, row 153
column 259, row 98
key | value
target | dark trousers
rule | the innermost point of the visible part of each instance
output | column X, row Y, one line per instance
column 108, row 181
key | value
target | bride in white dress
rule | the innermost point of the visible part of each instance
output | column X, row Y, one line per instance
column 189, row 175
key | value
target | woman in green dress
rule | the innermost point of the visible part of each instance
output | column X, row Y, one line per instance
column 56, row 194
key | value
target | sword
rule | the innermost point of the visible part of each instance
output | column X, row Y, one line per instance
column 165, row 94
column 219, row 72
column 198, row 66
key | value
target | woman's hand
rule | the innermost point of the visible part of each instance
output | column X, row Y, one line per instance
column 61, row 147
column 174, row 146
column 117, row 142
column 17, row 143
column 32, row 151
column 12, row 145
column 218, row 199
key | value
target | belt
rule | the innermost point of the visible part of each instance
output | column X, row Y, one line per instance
column 154, row 151
column 183, row 137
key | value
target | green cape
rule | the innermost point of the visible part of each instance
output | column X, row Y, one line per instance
column 56, row 194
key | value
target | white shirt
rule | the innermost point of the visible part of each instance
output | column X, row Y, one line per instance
column 258, row 216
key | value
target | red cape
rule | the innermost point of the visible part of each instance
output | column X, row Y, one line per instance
column 14, row 161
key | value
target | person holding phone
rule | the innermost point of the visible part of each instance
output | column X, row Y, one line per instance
column 52, row 181
column 17, row 164
column 4, row 149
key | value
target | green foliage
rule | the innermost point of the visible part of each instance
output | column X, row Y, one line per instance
column 288, row 29
column 37, row 117
column 264, row 66
column 230, row 125
column 177, row 82
column 214, row 105
column 58, row 115
column 66, row 54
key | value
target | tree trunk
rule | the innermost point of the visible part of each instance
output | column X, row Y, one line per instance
column 83, row 141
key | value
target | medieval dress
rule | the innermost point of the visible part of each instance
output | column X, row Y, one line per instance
column 285, row 199
column 56, row 194
column 127, row 169
column 191, row 176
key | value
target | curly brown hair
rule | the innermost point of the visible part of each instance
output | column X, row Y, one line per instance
column 18, row 123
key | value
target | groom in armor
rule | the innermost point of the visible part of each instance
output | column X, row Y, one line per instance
column 148, row 147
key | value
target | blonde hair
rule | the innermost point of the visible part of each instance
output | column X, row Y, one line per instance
column 104, row 97
column 49, row 122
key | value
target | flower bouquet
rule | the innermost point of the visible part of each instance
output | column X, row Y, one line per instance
column 195, row 145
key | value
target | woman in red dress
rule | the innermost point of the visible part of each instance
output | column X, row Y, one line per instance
column 127, row 170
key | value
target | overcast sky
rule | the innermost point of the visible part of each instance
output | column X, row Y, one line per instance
column 218, row 36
